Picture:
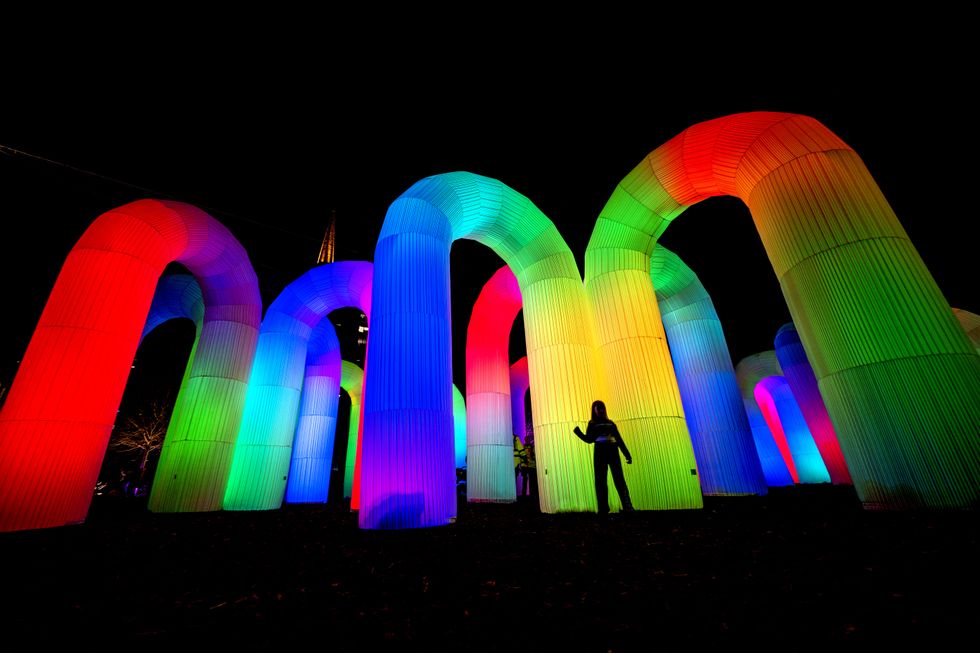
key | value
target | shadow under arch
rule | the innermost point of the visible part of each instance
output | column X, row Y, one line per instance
column 897, row 373
column 407, row 471
column 58, row 417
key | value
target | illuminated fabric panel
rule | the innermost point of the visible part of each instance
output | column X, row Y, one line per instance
column 783, row 416
column 316, row 425
column 490, row 445
column 519, row 385
column 59, row 414
column 177, row 296
column 796, row 368
column 723, row 445
column 971, row 324
column 351, row 380
column 774, row 455
column 355, row 497
column 459, row 427
column 407, row 475
column 265, row 444
column 898, row 375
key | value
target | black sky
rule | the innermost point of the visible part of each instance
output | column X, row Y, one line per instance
column 270, row 141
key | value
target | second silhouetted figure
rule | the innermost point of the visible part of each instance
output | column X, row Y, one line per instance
column 602, row 432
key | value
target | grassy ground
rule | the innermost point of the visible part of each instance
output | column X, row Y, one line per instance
column 802, row 569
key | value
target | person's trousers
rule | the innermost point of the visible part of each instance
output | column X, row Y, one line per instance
column 607, row 456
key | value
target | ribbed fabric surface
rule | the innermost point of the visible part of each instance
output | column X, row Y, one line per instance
column 859, row 294
column 268, row 436
column 58, row 416
column 723, row 445
column 489, row 422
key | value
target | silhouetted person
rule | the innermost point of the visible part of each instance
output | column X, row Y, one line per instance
column 530, row 483
column 520, row 460
column 602, row 432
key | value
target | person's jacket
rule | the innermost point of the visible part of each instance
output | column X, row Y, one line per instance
column 520, row 457
column 604, row 433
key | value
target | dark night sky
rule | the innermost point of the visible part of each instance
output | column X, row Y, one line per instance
column 269, row 141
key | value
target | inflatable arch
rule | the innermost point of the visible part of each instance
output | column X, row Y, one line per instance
column 897, row 373
column 264, row 448
column 407, row 475
column 774, row 455
column 490, row 443
column 351, row 380
column 796, row 368
column 723, row 446
column 58, row 417
column 786, row 422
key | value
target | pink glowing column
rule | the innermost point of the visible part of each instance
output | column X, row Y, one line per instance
column 489, row 435
column 803, row 383
column 520, row 383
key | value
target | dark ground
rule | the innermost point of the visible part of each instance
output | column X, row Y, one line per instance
column 802, row 569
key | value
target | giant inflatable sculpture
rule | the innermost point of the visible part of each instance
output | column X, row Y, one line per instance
column 264, row 448
column 897, row 374
column 899, row 377
column 57, row 419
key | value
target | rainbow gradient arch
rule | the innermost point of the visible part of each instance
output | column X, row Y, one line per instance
column 786, row 422
column 263, row 452
column 723, row 446
column 897, row 374
column 490, row 443
column 351, row 380
column 520, row 383
column 58, row 417
column 407, row 473
column 796, row 368
column 772, row 448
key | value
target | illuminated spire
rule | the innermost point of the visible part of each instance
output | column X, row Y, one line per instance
column 329, row 241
